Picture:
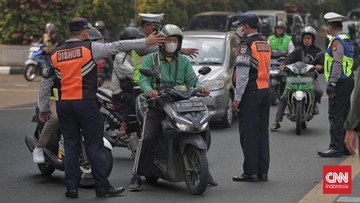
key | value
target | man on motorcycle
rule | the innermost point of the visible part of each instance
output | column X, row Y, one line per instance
column 49, row 37
column 307, row 53
column 280, row 40
column 149, row 24
column 175, row 69
column 122, row 79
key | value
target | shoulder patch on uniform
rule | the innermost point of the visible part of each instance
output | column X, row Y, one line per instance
column 334, row 45
column 243, row 49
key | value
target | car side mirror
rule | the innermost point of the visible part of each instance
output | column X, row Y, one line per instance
column 204, row 70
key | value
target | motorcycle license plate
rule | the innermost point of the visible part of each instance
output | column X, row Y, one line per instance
column 298, row 79
column 186, row 106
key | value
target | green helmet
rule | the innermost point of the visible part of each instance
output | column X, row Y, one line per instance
column 172, row 30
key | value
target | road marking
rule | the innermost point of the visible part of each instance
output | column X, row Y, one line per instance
column 316, row 194
column 5, row 70
column 348, row 199
column 21, row 85
column 4, row 108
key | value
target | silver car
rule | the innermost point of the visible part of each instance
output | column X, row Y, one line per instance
column 216, row 50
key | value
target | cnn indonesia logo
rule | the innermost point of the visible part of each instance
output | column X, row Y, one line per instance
column 337, row 179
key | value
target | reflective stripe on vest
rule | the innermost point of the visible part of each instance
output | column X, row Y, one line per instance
column 261, row 55
column 279, row 43
column 347, row 62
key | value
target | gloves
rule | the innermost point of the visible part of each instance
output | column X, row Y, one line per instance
column 330, row 89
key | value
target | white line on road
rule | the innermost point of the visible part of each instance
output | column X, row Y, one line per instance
column 5, row 70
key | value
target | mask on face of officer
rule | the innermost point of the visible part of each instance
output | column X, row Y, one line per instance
column 171, row 47
column 240, row 31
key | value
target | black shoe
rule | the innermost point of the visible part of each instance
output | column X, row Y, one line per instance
column 135, row 185
column 111, row 192
column 275, row 126
column 211, row 181
column 72, row 194
column 246, row 178
column 263, row 177
column 330, row 153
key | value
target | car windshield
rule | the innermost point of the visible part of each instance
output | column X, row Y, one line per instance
column 211, row 50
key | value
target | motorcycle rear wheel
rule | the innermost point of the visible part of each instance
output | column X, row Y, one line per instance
column 197, row 175
column 46, row 169
column 30, row 72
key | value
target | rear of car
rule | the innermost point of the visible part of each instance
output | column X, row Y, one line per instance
column 216, row 50
column 219, row 21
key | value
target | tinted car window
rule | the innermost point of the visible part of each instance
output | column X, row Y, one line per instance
column 211, row 50
column 208, row 23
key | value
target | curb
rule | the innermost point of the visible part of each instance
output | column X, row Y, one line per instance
column 10, row 70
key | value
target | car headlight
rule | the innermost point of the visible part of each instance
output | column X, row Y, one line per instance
column 213, row 84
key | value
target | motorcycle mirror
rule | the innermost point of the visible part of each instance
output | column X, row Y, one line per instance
column 148, row 72
column 204, row 70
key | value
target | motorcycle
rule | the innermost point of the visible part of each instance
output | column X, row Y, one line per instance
column 54, row 154
column 299, row 93
column 276, row 76
column 185, row 138
column 36, row 59
column 113, row 113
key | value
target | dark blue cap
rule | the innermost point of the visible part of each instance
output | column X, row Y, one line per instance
column 247, row 18
column 78, row 24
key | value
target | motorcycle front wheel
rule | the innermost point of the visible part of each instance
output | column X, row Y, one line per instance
column 46, row 169
column 30, row 72
column 299, row 107
column 196, row 169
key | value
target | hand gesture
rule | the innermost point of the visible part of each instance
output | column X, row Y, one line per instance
column 154, row 39
column 191, row 52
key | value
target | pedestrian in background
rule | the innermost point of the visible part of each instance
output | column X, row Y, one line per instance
column 338, row 71
column 74, row 66
column 252, row 99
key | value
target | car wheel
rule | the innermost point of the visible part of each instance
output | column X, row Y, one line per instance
column 229, row 114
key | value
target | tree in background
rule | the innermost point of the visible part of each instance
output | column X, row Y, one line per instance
column 21, row 19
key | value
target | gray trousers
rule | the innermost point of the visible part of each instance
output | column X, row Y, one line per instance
column 50, row 127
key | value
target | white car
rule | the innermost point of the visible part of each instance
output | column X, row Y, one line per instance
column 216, row 50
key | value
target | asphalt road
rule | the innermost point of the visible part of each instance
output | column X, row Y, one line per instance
column 295, row 168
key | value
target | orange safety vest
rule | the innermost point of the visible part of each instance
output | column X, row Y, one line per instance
column 75, row 69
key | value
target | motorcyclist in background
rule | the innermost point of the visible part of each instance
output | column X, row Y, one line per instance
column 280, row 40
column 307, row 53
column 49, row 37
column 100, row 25
column 122, row 80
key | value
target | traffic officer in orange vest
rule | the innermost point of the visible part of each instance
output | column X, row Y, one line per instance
column 73, row 66
column 252, row 99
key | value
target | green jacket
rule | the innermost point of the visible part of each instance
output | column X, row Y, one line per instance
column 353, row 120
column 279, row 43
column 185, row 73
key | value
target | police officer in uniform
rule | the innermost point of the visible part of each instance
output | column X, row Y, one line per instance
column 73, row 64
column 252, row 99
column 338, row 71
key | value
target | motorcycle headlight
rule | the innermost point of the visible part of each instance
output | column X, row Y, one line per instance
column 183, row 127
column 213, row 84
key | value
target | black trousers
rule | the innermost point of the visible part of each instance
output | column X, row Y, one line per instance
column 146, row 151
column 339, row 108
column 84, row 115
column 254, row 131
column 127, row 99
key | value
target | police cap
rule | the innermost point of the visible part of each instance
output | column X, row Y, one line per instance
column 150, row 17
column 247, row 18
column 333, row 17
column 78, row 24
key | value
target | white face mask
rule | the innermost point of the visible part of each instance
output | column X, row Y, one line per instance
column 240, row 31
column 171, row 47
